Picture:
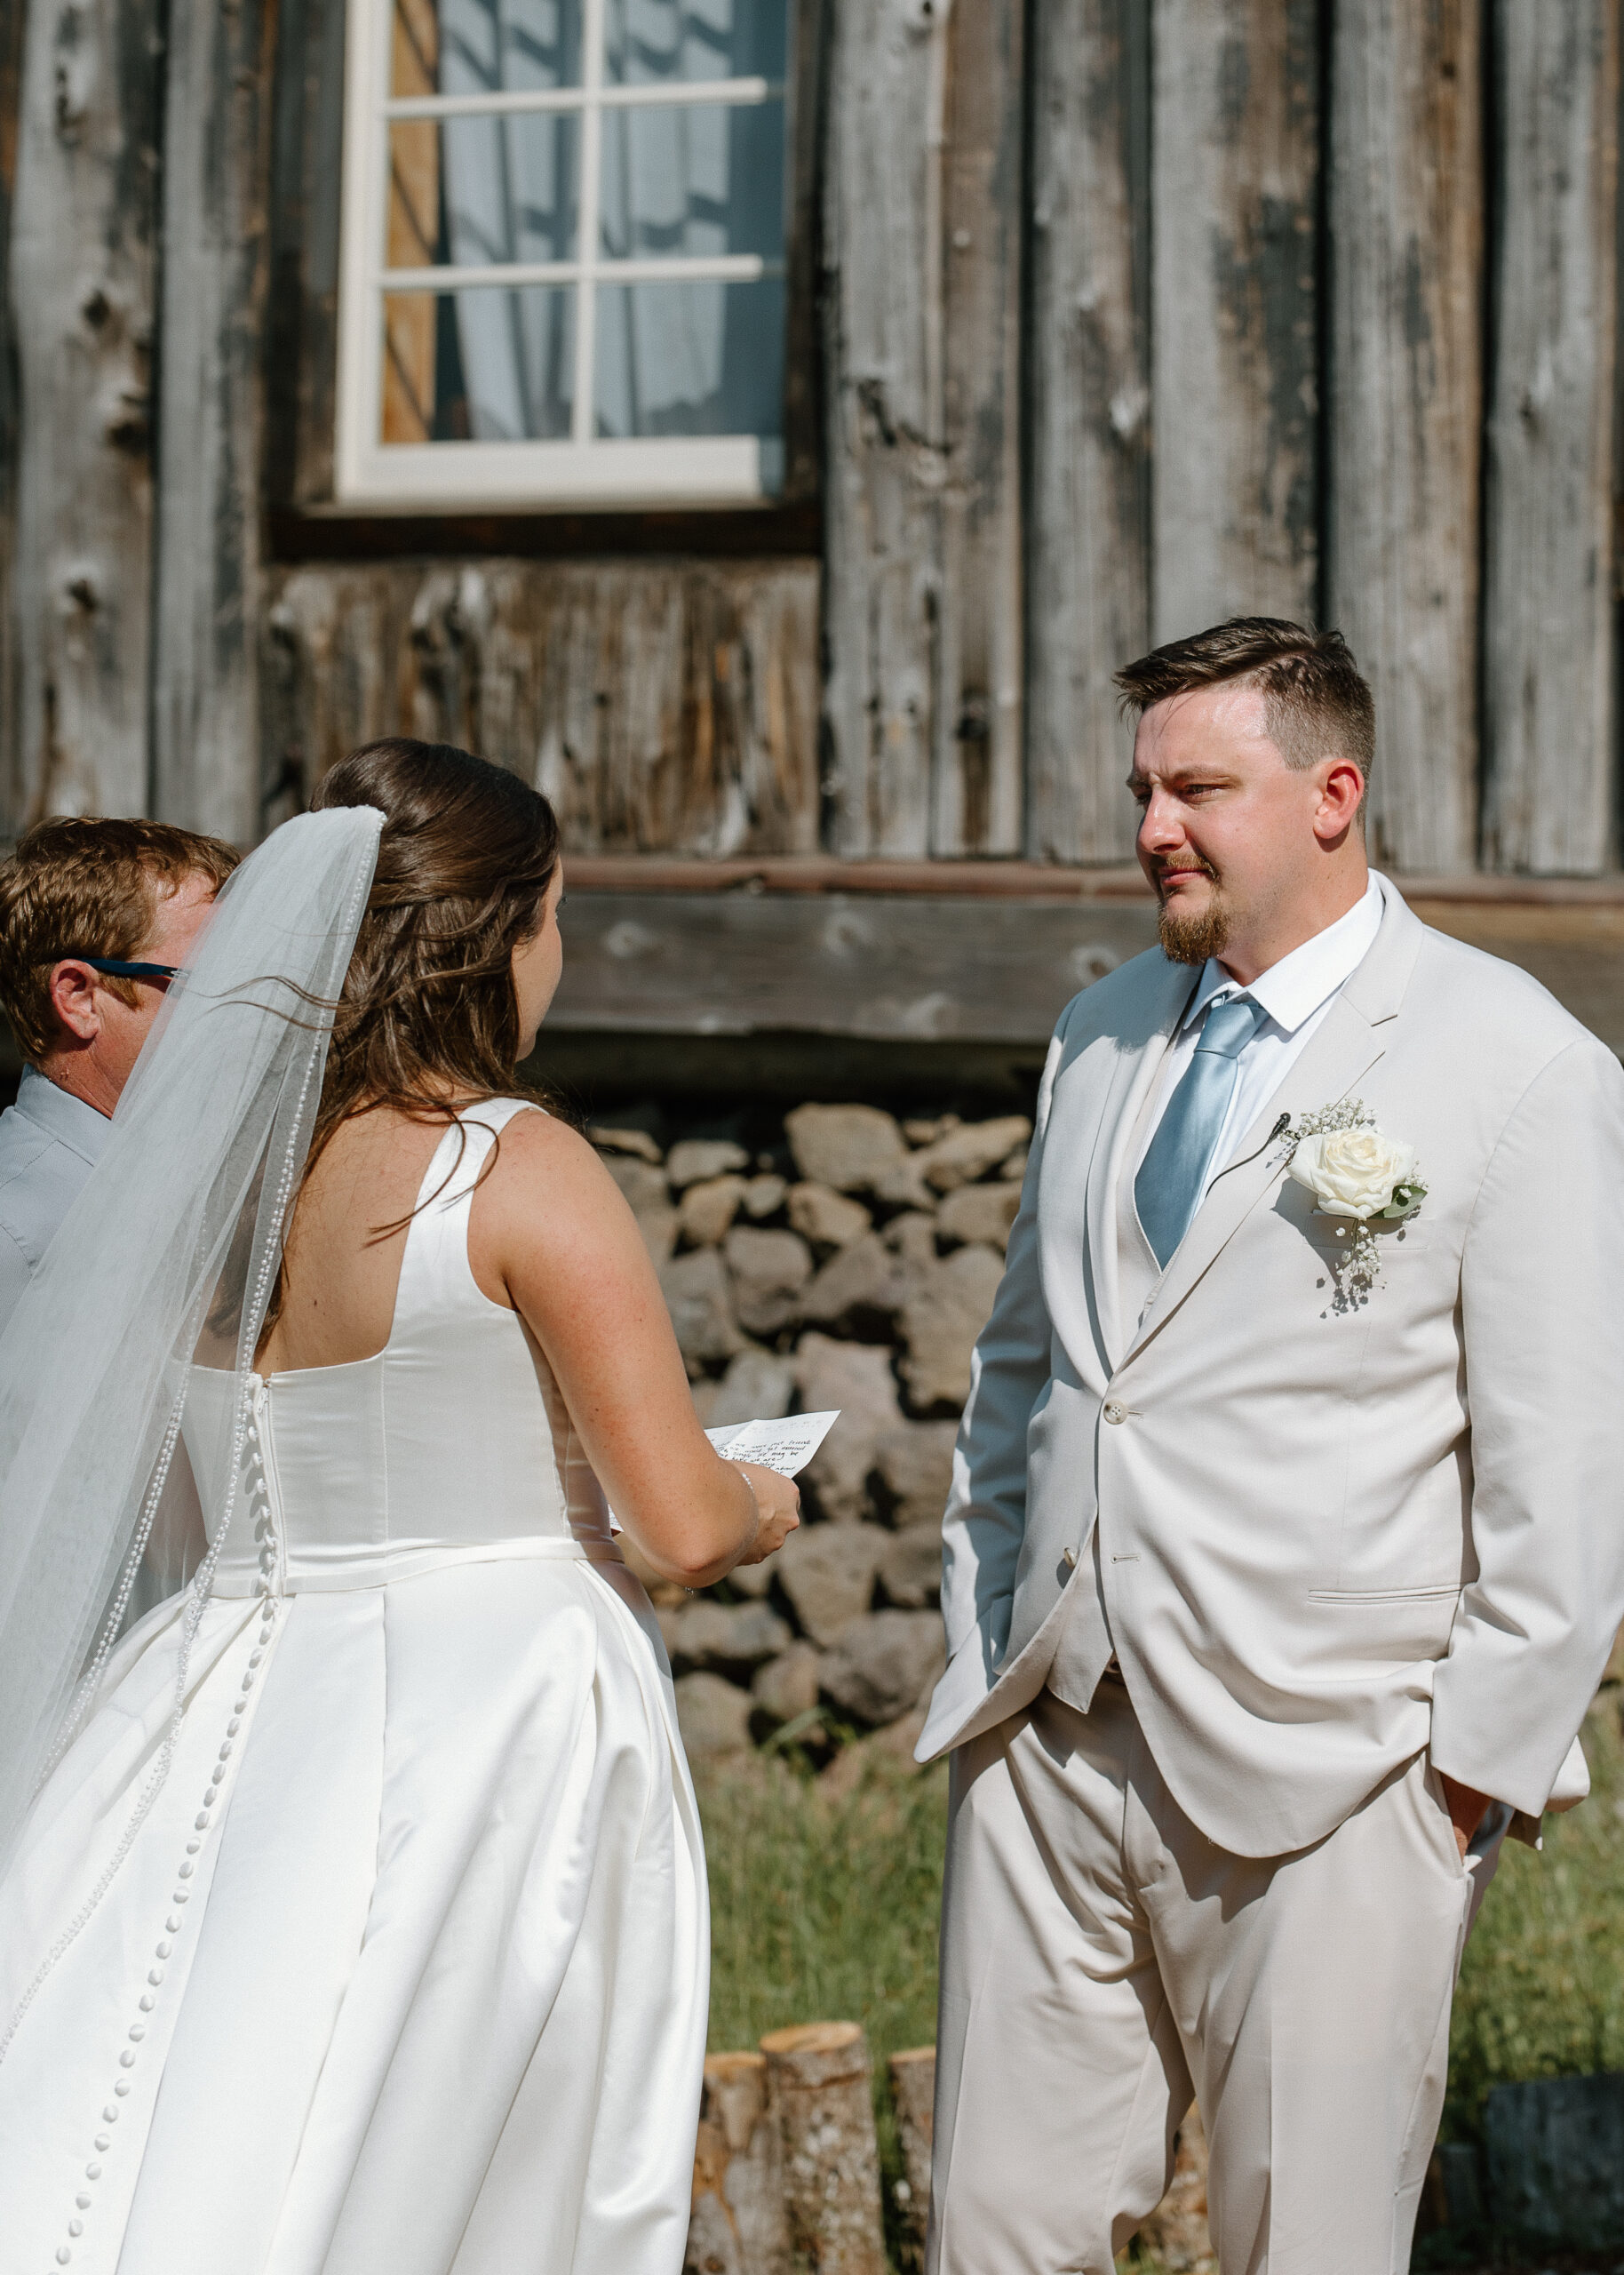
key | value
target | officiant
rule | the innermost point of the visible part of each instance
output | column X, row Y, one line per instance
column 95, row 919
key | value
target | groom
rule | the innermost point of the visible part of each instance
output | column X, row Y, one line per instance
column 1283, row 1552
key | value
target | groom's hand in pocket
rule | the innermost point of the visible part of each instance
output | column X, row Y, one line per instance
column 1465, row 1807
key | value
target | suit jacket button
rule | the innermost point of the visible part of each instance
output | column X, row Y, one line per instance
column 1068, row 1557
column 1115, row 1411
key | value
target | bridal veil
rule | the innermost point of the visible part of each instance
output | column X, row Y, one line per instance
column 169, row 1258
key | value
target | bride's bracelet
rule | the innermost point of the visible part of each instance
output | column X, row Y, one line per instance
column 755, row 1503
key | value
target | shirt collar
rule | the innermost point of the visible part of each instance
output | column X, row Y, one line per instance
column 65, row 1118
column 1293, row 989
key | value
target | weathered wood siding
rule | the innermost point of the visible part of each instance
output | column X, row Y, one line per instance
column 921, row 251
column 11, row 81
column 81, row 262
column 1406, row 395
column 216, row 135
column 1088, row 345
column 1236, row 383
column 661, row 708
column 1550, row 732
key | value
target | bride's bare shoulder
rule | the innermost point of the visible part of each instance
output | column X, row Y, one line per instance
column 545, row 1168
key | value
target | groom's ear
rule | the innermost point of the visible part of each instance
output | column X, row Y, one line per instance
column 72, row 987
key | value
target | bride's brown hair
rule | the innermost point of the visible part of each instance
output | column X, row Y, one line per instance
column 428, row 1020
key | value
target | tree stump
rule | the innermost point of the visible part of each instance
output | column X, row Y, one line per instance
column 820, row 2082
column 737, row 2223
column 913, row 2093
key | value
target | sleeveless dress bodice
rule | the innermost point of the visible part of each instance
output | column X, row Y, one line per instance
column 363, row 1926
column 450, row 1442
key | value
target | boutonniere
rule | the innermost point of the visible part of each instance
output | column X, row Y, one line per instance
column 1358, row 1174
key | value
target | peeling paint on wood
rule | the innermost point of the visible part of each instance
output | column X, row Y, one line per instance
column 1550, row 756
column 1406, row 393
column 1236, row 135
column 84, row 228
column 661, row 707
column 1089, row 538
column 205, row 648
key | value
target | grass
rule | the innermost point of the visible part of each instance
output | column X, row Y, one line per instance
column 824, row 1909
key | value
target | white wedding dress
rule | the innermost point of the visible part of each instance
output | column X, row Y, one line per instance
column 404, row 1971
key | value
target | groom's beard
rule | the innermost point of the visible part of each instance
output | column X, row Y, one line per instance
column 1192, row 936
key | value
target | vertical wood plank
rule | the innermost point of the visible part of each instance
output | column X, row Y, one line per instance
column 1235, row 192
column 1088, row 547
column 12, row 21
column 887, row 457
column 302, row 303
column 83, row 233
column 205, row 692
column 1550, row 759
column 1406, row 393
column 663, row 706
column 978, row 763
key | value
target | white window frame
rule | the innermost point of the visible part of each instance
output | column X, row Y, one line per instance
column 586, row 471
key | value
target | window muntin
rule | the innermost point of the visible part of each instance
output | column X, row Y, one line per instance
column 564, row 252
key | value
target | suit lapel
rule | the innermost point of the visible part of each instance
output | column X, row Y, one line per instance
column 1346, row 1045
column 1132, row 1079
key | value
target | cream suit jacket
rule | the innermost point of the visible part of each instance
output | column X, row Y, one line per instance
column 1326, row 1538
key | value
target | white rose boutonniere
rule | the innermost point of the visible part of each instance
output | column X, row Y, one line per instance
column 1357, row 1172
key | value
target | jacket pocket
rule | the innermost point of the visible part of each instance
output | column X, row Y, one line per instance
column 1385, row 1595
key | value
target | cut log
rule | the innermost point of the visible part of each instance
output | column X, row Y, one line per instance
column 913, row 2092
column 1235, row 129
column 82, row 251
column 1088, row 531
column 206, row 623
column 1548, row 601
column 1406, row 393
column 822, row 2088
column 737, row 2226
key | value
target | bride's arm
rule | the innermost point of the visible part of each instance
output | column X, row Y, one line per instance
column 552, row 1234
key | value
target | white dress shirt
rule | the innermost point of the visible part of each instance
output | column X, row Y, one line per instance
column 1296, row 993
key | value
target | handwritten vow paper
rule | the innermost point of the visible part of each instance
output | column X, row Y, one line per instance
column 786, row 1446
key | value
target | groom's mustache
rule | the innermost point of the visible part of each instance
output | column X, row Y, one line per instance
column 1194, row 867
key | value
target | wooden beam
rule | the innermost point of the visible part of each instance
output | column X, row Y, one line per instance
column 1235, row 129
column 216, row 157
column 302, row 292
column 1551, row 757
column 1087, row 549
column 978, row 761
column 921, row 239
column 84, row 231
column 900, row 969
column 664, row 706
column 1406, row 392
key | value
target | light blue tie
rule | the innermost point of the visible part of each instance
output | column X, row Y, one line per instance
column 1173, row 1175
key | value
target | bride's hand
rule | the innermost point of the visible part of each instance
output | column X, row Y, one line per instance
column 778, row 1510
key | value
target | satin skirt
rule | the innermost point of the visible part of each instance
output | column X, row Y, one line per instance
column 402, row 1971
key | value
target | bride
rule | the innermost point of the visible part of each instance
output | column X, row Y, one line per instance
column 355, row 1918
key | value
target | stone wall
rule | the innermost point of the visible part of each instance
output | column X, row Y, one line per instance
column 850, row 1263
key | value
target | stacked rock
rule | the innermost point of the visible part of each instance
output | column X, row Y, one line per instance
column 859, row 1281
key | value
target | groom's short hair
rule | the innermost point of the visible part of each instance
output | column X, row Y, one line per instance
column 77, row 885
column 1317, row 703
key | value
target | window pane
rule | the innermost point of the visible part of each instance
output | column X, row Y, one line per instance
column 477, row 190
column 653, row 40
column 485, row 364
column 690, row 359
column 699, row 180
column 469, row 47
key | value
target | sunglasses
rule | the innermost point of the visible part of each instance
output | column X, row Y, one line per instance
column 115, row 969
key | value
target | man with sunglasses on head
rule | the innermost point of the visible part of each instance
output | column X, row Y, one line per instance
column 96, row 917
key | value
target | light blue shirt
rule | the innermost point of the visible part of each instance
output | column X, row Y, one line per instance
column 49, row 1142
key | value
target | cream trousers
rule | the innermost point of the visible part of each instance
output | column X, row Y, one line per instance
column 1102, row 1963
